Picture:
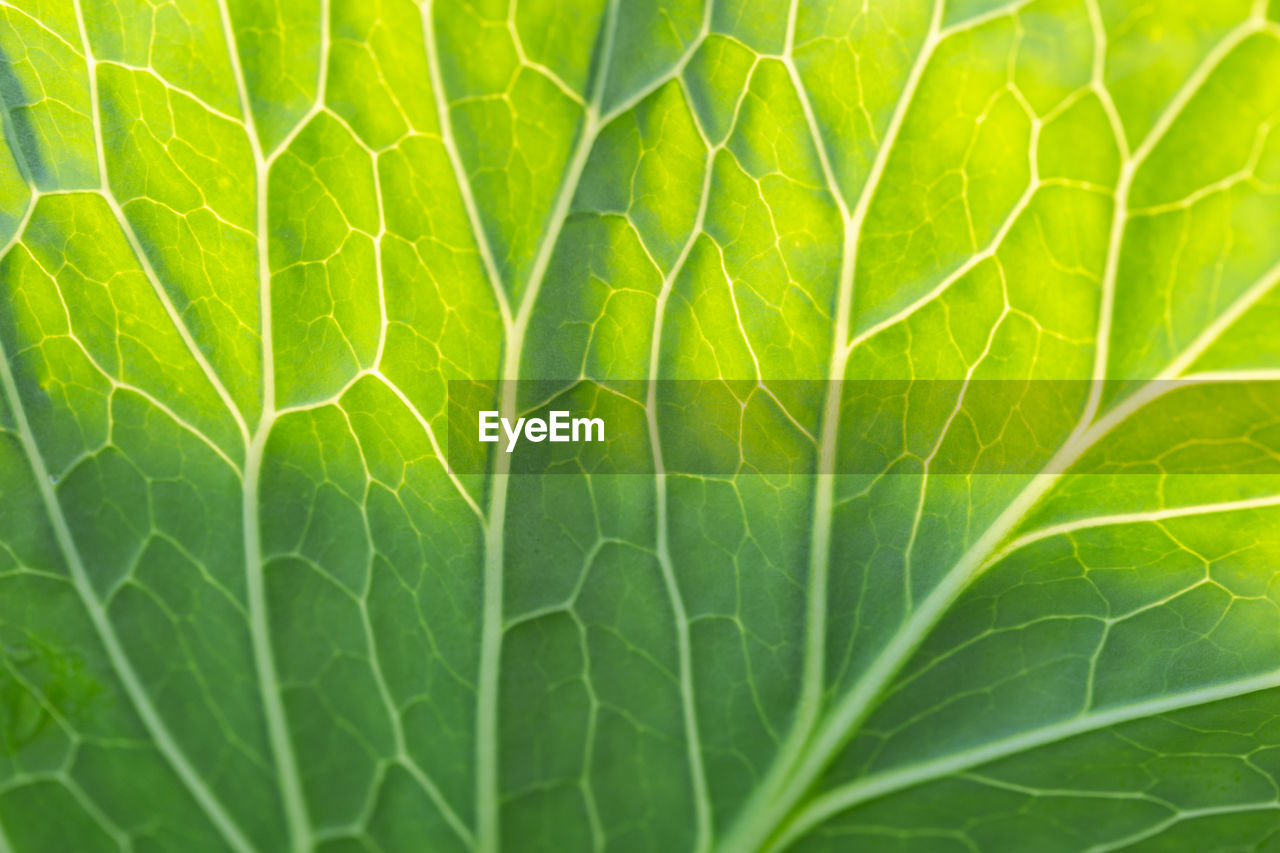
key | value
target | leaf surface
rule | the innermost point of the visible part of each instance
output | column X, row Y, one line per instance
column 245, row 604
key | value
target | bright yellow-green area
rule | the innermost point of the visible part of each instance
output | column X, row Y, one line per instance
column 245, row 245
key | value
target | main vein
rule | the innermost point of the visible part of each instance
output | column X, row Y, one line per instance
column 287, row 773
column 515, row 328
column 769, row 803
column 693, row 739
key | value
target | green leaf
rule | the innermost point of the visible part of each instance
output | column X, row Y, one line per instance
column 1028, row 602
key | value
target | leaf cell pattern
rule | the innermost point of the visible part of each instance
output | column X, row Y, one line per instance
column 247, row 243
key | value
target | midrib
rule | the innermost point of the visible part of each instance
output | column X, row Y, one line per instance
column 491, row 630
column 766, row 807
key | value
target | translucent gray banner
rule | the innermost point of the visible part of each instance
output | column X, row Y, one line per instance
column 891, row 427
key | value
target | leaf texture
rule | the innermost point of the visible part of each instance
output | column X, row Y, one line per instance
column 245, row 604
